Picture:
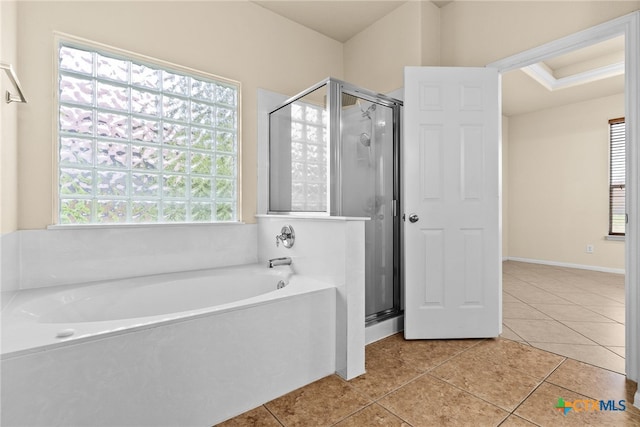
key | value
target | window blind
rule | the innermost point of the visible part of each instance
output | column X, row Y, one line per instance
column 617, row 218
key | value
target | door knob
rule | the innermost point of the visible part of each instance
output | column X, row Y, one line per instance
column 413, row 218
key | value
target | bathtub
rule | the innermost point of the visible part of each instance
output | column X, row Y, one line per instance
column 191, row 348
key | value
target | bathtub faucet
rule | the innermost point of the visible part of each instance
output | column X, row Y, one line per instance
column 287, row 236
column 279, row 261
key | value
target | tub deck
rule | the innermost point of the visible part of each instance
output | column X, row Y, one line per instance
column 46, row 318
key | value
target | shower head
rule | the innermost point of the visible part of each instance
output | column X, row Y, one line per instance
column 365, row 139
column 367, row 113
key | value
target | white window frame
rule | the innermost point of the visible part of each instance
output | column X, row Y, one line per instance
column 60, row 38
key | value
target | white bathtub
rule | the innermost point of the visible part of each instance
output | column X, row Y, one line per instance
column 183, row 349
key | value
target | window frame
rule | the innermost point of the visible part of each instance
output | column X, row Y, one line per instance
column 107, row 50
column 612, row 163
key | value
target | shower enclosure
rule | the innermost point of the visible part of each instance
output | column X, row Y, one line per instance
column 334, row 150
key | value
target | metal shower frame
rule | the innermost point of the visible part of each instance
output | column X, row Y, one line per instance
column 335, row 89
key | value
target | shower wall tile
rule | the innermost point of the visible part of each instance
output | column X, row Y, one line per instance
column 10, row 262
column 57, row 257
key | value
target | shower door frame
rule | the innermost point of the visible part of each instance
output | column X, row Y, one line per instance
column 395, row 105
column 335, row 88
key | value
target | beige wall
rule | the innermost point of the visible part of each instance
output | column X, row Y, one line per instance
column 410, row 35
column 8, row 123
column 558, row 184
column 476, row 33
column 237, row 40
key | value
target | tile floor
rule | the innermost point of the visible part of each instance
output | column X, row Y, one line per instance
column 574, row 313
column 504, row 381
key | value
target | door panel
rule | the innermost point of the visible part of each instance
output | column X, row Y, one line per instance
column 451, row 180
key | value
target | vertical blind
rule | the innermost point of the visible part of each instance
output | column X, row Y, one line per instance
column 617, row 177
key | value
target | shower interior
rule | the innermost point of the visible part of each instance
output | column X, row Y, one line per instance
column 334, row 150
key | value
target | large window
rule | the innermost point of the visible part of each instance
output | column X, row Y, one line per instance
column 141, row 142
column 617, row 217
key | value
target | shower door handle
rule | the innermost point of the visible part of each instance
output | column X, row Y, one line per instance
column 413, row 218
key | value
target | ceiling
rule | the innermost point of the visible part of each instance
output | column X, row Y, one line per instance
column 569, row 78
column 339, row 20
column 592, row 72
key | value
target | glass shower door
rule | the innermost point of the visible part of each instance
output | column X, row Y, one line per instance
column 367, row 166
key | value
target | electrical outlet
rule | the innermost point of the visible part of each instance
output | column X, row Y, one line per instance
column 589, row 249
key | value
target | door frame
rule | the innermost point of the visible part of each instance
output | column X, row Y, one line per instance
column 629, row 27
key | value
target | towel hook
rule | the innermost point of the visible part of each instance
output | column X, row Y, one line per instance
column 14, row 79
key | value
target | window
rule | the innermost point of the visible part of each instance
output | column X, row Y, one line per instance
column 617, row 217
column 141, row 142
column 308, row 158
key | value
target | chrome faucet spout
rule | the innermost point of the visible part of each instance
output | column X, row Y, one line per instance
column 279, row 261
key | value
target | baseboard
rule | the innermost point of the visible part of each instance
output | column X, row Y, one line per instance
column 383, row 329
column 568, row 265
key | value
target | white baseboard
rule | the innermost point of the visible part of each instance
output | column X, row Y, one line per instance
column 383, row 329
column 568, row 265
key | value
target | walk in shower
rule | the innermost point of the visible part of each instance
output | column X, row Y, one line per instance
column 334, row 150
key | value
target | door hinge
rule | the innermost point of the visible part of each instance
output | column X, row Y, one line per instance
column 394, row 208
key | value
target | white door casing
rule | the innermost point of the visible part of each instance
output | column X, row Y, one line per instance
column 451, row 181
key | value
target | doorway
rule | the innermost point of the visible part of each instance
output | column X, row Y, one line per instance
column 627, row 26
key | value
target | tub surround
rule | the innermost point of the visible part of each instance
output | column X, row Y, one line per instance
column 80, row 255
column 330, row 249
column 9, row 263
column 196, row 369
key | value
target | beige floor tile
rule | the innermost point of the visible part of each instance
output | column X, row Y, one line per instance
column 384, row 373
column 321, row 403
column 545, row 331
column 553, row 285
column 509, row 298
column 373, row 415
column 423, row 354
column 620, row 351
column 510, row 335
column 494, row 382
column 540, row 408
column 594, row 382
column 523, row 358
column 587, row 298
column 517, row 286
column 592, row 354
column 612, row 312
column 520, row 310
column 570, row 312
column 428, row 401
column 537, row 295
column 602, row 333
column 258, row 417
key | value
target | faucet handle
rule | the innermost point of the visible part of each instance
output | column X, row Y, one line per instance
column 287, row 236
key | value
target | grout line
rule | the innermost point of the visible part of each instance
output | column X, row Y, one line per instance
column 544, row 380
column 556, row 320
column 353, row 413
column 423, row 373
column 273, row 415
column 469, row 393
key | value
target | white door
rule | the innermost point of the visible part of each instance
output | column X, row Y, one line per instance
column 451, row 180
